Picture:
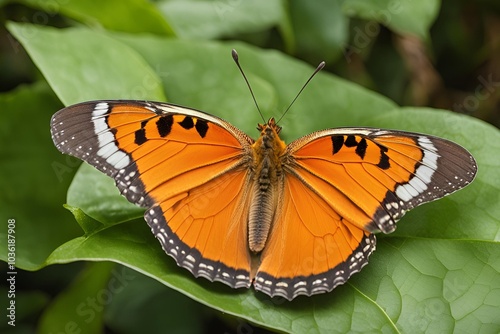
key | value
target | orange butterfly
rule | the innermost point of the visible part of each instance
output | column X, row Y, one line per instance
column 293, row 219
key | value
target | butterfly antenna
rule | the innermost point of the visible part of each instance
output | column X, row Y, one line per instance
column 236, row 60
column 319, row 68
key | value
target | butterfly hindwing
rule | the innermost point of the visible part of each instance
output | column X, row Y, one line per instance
column 311, row 248
column 205, row 233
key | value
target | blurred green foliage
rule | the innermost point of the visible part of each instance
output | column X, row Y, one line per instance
column 439, row 272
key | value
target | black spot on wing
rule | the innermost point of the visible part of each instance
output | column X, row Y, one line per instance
column 351, row 141
column 361, row 148
column 164, row 125
column 187, row 123
column 337, row 142
column 140, row 136
column 384, row 158
column 201, row 127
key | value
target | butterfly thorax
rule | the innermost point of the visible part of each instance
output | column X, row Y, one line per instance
column 267, row 180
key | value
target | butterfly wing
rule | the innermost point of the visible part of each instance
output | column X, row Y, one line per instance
column 342, row 184
column 187, row 167
column 311, row 248
column 383, row 173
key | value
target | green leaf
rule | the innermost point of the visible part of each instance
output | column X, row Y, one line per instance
column 71, row 59
column 88, row 224
column 158, row 308
column 203, row 19
column 122, row 15
column 102, row 201
column 321, row 29
column 80, row 308
column 439, row 271
column 436, row 284
column 213, row 83
column 35, row 176
column 404, row 17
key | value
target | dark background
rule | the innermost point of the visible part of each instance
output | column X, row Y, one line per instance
column 457, row 68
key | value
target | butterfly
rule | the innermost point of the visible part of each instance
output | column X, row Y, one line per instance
column 296, row 219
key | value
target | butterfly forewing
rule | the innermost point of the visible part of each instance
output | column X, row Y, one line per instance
column 383, row 173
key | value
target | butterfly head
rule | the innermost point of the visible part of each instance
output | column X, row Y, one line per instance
column 271, row 124
column 269, row 140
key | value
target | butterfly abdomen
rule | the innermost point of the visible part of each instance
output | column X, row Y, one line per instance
column 267, row 183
